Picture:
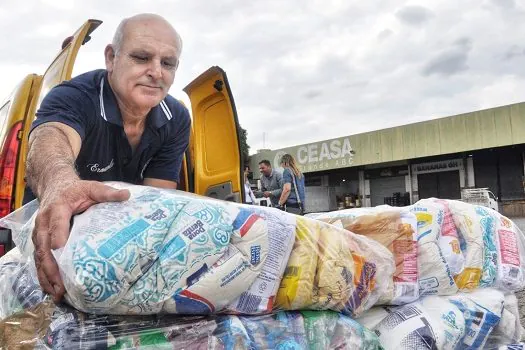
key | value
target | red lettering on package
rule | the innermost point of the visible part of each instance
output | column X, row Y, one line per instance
column 508, row 245
column 448, row 228
column 405, row 254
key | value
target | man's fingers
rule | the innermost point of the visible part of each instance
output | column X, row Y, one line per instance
column 42, row 278
column 102, row 193
column 47, row 268
column 49, row 274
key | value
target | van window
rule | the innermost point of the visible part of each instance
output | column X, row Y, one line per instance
column 4, row 112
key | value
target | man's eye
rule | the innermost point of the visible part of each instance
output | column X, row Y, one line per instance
column 168, row 64
column 140, row 58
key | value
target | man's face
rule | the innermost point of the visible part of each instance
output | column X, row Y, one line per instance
column 265, row 169
column 142, row 72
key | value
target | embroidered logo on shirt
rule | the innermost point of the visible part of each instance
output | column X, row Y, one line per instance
column 95, row 168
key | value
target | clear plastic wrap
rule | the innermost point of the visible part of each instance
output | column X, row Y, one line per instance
column 493, row 248
column 394, row 228
column 63, row 328
column 168, row 251
column 481, row 319
column 509, row 329
column 249, row 265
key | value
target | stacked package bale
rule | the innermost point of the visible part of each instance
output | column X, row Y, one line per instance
column 171, row 252
column 443, row 271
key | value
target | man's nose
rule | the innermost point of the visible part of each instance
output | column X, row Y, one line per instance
column 155, row 69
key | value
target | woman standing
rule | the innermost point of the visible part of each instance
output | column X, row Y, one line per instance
column 292, row 198
column 249, row 197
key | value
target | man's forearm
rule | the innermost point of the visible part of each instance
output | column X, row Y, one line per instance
column 277, row 193
column 50, row 160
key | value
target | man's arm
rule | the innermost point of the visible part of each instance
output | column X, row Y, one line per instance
column 279, row 179
column 51, row 174
column 53, row 148
column 286, row 179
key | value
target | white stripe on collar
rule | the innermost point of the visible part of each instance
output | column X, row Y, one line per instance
column 163, row 104
column 166, row 110
column 102, row 109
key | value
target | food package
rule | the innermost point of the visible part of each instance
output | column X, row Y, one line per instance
column 509, row 329
column 297, row 286
column 166, row 251
column 333, row 269
column 394, row 228
column 438, row 249
column 430, row 323
column 19, row 287
column 64, row 328
column 260, row 297
column 474, row 230
column 510, row 245
column 482, row 310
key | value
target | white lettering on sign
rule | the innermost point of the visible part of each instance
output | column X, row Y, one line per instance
column 335, row 147
column 333, row 150
column 347, row 149
column 302, row 155
column 312, row 153
column 325, row 153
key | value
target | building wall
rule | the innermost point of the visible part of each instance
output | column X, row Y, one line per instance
column 495, row 127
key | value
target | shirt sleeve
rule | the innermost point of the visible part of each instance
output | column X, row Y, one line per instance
column 287, row 177
column 64, row 104
column 166, row 163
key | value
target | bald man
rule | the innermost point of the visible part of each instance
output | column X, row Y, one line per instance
column 113, row 124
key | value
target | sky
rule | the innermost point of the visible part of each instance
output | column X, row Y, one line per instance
column 305, row 70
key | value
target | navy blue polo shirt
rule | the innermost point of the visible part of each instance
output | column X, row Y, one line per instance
column 87, row 104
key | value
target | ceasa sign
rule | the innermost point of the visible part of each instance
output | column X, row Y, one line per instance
column 325, row 155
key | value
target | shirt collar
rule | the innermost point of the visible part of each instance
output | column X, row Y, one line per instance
column 109, row 111
column 271, row 174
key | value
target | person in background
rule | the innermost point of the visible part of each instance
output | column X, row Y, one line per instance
column 249, row 197
column 271, row 183
column 292, row 197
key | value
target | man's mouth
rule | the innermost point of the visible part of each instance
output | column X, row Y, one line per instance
column 150, row 86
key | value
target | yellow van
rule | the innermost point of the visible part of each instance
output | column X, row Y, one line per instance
column 212, row 164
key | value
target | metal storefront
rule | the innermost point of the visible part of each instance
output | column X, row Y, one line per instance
column 381, row 188
column 442, row 179
column 388, row 185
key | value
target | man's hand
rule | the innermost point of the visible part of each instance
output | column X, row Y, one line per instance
column 51, row 230
column 267, row 194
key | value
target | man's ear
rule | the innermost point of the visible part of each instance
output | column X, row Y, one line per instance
column 109, row 55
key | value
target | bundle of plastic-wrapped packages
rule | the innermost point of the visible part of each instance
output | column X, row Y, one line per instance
column 470, row 260
column 482, row 319
column 168, row 251
column 460, row 247
column 440, row 273
column 396, row 229
column 64, row 328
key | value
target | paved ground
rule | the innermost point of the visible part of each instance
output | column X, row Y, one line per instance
column 521, row 295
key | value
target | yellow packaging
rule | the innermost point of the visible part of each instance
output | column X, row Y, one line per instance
column 335, row 270
column 296, row 288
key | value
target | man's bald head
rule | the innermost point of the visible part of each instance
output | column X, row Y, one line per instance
column 142, row 62
column 144, row 19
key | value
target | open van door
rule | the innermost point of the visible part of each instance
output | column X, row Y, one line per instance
column 59, row 70
column 215, row 155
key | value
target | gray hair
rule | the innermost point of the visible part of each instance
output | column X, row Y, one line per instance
column 118, row 38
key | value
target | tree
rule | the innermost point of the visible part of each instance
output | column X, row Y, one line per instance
column 245, row 148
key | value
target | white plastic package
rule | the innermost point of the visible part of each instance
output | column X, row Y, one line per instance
column 165, row 251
